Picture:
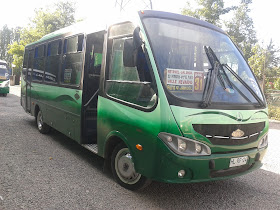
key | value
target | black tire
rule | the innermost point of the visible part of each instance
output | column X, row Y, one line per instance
column 4, row 94
column 42, row 127
column 123, row 170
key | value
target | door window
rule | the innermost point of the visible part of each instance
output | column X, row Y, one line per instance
column 130, row 84
column 72, row 67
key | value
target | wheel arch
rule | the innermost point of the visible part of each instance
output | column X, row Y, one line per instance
column 112, row 140
column 36, row 110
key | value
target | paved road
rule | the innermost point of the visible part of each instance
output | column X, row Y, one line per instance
column 53, row 172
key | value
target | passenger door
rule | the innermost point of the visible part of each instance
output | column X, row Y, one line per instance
column 29, row 79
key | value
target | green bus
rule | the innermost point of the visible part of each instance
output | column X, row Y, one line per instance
column 4, row 78
column 162, row 97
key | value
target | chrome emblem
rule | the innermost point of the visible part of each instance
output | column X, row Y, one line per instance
column 237, row 133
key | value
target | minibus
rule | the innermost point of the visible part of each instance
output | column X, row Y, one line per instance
column 4, row 78
column 161, row 97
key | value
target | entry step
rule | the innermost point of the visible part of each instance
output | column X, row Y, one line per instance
column 91, row 147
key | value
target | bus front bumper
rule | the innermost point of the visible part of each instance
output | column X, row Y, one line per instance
column 205, row 168
column 4, row 90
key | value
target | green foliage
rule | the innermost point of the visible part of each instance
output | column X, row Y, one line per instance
column 276, row 84
column 208, row 10
column 241, row 29
column 48, row 20
column 17, row 50
column 274, row 112
column 257, row 61
column 7, row 36
column 264, row 63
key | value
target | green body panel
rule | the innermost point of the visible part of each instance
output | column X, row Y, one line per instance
column 156, row 160
column 187, row 117
column 134, row 127
column 61, row 108
column 4, row 90
column 197, row 168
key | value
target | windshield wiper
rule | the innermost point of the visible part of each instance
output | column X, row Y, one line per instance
column 210, row 80
column 245, row 84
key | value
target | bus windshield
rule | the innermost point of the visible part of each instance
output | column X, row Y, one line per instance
column 4, row 73
column 180, row 52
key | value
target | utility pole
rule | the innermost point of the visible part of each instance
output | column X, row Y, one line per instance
column 263, row 82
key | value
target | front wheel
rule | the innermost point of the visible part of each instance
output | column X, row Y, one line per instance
column 123, row 169
column 42, row 127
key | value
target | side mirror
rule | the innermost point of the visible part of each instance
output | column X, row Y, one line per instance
column 130, row 50
column 137, row 38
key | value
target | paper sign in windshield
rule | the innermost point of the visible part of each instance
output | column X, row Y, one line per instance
column 184, row 80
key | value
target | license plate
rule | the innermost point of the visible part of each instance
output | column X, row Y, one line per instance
column 238, row 161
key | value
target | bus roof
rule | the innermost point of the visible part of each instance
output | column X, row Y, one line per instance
column 87, row 27
column 178, row 17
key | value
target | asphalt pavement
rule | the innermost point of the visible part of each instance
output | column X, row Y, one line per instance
column 53, row 172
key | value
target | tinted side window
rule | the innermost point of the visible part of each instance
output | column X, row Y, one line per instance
column 39, row 63
column 72, row 65
column 53, row 61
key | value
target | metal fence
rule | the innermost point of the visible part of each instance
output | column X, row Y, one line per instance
column 273, row 97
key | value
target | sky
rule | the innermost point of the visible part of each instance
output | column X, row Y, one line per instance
column 265, row 14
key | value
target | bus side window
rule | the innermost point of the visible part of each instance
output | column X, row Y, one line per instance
column 39, row 63
column 130, row 84
column 53, row 61
column 72, row 65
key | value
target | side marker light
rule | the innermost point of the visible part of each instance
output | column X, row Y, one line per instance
column 139, row 147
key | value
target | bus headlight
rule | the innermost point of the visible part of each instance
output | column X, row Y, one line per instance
column 184, row 146
column 263, row 142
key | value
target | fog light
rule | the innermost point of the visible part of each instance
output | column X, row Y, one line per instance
column 181, row 173
column 198, row 148
column 182, row 145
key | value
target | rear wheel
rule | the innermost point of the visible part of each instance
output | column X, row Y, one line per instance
column 42, row 127
column 123, row 169
column 4, row 94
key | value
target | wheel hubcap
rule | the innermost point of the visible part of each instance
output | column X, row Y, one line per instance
column 125, row 167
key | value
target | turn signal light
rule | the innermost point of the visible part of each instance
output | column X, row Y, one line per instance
column 139, row 147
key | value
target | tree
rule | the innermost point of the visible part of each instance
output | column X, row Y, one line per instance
column 208, row 10
column 257, row 61
column 264, row 62
column 241, row 29
column 45, row 21
column 6, row 38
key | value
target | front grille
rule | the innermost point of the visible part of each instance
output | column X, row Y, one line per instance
column 230, row 171
column 221, row 134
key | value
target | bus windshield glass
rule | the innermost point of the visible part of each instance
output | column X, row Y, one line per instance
column 4, row 73
column 180, row 51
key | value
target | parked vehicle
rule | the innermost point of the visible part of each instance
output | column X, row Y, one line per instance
column 4, row 78
column 166, row 97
